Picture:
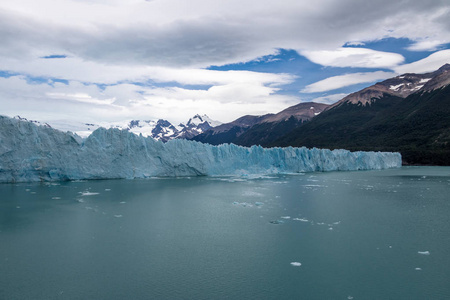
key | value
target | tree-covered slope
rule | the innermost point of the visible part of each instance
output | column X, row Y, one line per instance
column 418, row 126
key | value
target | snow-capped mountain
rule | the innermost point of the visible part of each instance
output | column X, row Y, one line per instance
column 160, row 129
column 164, row 131
column 195, row 126
column 400, row 86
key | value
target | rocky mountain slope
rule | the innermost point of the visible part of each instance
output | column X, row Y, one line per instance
column 409, row 113
column 261, row 130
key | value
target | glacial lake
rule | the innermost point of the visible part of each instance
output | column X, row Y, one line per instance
column 337, row 235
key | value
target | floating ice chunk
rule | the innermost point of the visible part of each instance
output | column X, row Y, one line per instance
column 107, row 190
column 424, row 252
column 276, row 222
column 56, row 198
column 330, row 228
column 80, row 200
column 418, row 269
column 88, row 193
column 118, row 216
column 123, row 202
column 337, row 223
column 321, row 223
column 243, row 204
column 300, row 219
column 258, row 203
column 286, row 217
column 17, row 206
column 296, row 264
column 252, row 194
column 350, row 297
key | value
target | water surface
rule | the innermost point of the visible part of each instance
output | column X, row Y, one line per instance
column 338, row 235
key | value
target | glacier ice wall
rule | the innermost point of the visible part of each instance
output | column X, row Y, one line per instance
column 37, row 153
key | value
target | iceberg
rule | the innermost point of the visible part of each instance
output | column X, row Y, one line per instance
column 39, row 153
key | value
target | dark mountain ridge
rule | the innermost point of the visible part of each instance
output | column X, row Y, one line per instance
column 251, row 130
column 409, row 113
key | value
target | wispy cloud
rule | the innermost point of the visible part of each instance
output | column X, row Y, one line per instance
column 354, row 57
column 428, row 64
column 336, row 82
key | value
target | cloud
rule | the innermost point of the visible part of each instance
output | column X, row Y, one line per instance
column 329, row 99
column 81, row 97
column 73, row 68
column 428, row 64
column 336, row 82
column 87, row 102
column 148, row 52
column 203, row 33
column 426, row 45
column 354, row 57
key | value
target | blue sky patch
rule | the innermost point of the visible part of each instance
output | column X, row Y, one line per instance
column 54, row 56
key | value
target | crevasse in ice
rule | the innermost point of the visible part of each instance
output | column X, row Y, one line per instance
column 37, row 153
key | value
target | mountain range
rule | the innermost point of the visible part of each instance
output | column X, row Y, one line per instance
column 409, row 114
column 164, row 131
column 160, row 129
column 261, row 130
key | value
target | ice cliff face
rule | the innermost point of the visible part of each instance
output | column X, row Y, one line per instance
column 37, row 153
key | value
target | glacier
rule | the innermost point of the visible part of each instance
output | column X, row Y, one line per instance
column 29, row 152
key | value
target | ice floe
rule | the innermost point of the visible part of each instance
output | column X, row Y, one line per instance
column 276, row 222
column 296, row 264
column 300, row 219
column 252, row 194
column 87, row 193
column 424, row 252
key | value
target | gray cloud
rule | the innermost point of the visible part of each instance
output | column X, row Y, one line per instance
column 212, row 38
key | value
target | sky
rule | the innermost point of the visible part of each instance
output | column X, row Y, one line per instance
column 103, row 61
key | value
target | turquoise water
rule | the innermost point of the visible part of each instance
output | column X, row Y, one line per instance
column 337, row 235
